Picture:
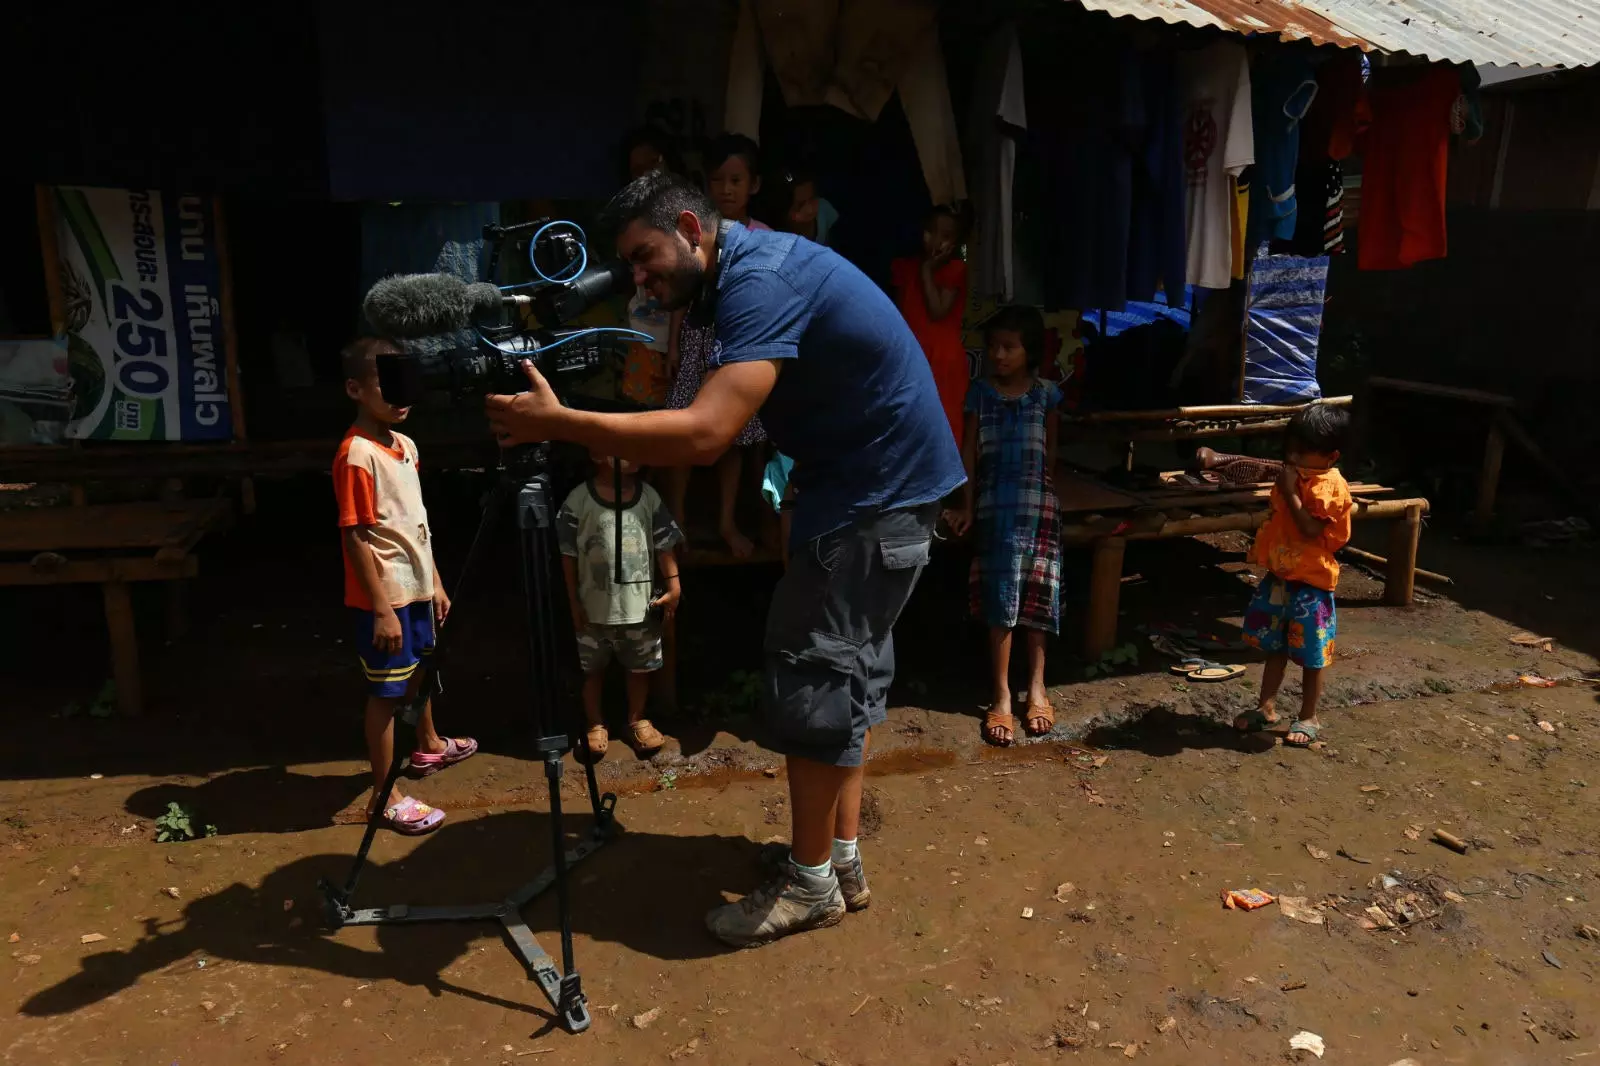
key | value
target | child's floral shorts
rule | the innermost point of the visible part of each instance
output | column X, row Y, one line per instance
column 1288, row 616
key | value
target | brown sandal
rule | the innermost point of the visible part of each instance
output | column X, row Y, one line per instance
column 1039, row 712
column 647, row 739
column 598, row 740
column 996, row 721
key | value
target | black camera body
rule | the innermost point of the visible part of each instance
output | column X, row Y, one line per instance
column 565, row 287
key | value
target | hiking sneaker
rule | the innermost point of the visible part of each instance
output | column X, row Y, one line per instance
column 774, row 857
column 792, row 902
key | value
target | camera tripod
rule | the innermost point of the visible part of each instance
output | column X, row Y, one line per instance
column 524, row 488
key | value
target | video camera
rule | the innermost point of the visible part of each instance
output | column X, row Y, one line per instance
column 410, row 306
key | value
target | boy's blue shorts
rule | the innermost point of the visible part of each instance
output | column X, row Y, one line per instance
column 388, row 675
column 1294, row 619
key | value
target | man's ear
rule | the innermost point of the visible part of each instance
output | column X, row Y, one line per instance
column 689, row 226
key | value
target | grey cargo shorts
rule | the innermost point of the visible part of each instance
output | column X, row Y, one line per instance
column 829, row 646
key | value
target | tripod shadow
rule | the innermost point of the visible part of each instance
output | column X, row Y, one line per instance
column 465, row 862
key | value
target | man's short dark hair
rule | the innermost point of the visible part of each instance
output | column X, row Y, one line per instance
column 657, row 199
column 1026, row 322
column 1319, row 428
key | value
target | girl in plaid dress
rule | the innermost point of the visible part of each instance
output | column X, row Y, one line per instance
column 1009, row 451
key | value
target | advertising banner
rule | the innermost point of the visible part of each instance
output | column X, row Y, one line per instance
column 142, row 290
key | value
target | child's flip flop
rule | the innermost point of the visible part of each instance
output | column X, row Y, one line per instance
column 1215, row 672
column 425, row 764
column 1309, row 730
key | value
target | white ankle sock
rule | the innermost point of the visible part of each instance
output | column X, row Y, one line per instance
column 844, row 851
column 822, row 872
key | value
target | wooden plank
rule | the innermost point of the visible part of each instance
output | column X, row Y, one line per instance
column 104, row 526
column 1227, row 410
column 1187, row 431
column 1494, row 454
column 230, row 334
column 1445, row 392
column 87, row 571
column 1238, row 521
column 1404, row 535
column 124, row 647
column 1105, row 593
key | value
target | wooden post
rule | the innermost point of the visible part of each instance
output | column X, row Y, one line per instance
column 1494, row 453
column 1105, row 591
column 1404, row 534
column 124, row 647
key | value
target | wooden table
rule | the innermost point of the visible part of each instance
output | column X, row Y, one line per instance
column 112, row 545
column 1172, row 511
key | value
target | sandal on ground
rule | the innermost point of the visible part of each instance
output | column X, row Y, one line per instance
column 456, row 749
column 1189, row 664
column 647, row 739
column 1310, row 730
column 598, row 740
column 997, row 726
column 1212, row 672
column 1255, row 721
column 411, row 817
column 1041, row 719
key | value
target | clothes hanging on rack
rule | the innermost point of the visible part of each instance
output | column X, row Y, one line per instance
column 1157, row 242
column 1282, row 92
column 1319, row 220
column 852, row 55
column 1218, row 144
column 1081, row 148
column 1406, row 156
column 997, row 118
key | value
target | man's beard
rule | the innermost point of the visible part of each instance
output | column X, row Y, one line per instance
column 683, row 282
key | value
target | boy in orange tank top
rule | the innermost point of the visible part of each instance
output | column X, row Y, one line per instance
column 1292, row 615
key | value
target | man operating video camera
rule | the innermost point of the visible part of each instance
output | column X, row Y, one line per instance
column 807, row 340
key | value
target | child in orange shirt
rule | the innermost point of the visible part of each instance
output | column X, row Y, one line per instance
column 1292, row 614
column 932, row 294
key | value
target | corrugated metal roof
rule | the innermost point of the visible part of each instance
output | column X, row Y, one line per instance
column 1520, row 33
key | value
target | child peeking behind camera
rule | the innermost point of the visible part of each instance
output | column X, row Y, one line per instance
column 619, row 616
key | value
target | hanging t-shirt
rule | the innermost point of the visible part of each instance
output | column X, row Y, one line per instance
column 1319, row 219
column 1156, row 241
column 1218, row 143
column 1406, row 158
column 998, row 116
column 647, row 316
column 1282, row 92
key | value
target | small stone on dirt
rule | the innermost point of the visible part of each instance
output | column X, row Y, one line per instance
column 27, row 960
column 645, row 1020
column 171, row 890
column 1130, row 1051
column 75, row 873
column 1588, row 932
column 1167, row 1024
column 1546, row 726
column 91, row 938
column 981, row 842
column 770, row 771
column 14, row 938
column 1316, row 852
column 1552, row 960
column 686, row 1050
column 1371, row 788
column 348, row 1003
column 1027, row 912
column 1063, row 890
column 1307, row 1041
column 1454, row 896
column 1413, row 833
column 207, row 1006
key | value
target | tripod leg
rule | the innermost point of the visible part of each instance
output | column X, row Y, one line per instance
column 574, row 1006
column 336, row 903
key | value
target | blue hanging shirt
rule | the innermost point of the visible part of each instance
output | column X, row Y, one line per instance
column 854, row 406
column 1283, row 86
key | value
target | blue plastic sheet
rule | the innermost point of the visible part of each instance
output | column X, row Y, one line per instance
column 1283, row 323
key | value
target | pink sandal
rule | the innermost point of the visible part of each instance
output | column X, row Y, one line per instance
column 411, row 817
column 425, row 764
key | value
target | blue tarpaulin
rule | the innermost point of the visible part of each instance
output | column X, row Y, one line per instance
column 1283, row 322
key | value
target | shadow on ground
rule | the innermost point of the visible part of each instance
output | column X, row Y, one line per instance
column 456, row 864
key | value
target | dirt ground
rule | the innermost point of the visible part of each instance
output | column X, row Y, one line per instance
column 1057, row 902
